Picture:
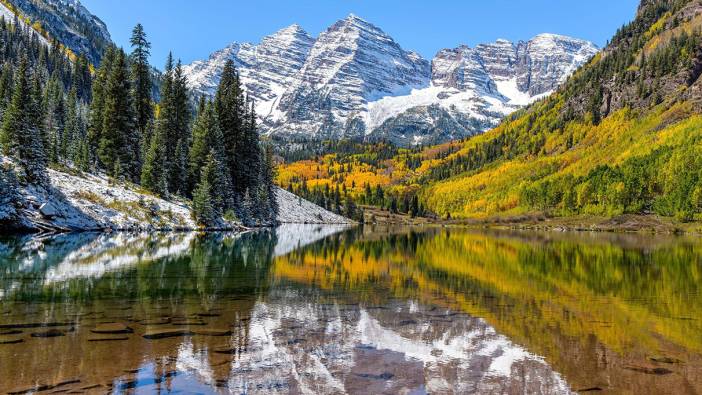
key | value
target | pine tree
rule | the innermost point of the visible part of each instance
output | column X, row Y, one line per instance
column 55, row 118
column 178, row 126
column 179, row 178
column 204, row 128
column 5, row 87
column 206, row 198
column 156, row 169
column 153, row 173
column 229, row 107
column 21, row 136
column 250, row 153
column 141, row 78
column 203, row 213
column 97, row 106
column 120, row 138
column 73, row 135
column 267, row 185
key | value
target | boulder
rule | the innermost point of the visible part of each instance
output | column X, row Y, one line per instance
column 49, row 210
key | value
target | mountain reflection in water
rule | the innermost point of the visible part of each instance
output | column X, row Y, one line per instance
column 313, row 309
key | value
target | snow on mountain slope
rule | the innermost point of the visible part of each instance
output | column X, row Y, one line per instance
column 69, row 22
column 10, row 18
column 351, row 64
column 355, row 81
column 266, row 69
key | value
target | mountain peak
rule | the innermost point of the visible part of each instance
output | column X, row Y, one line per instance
column 293, row 29
column 356, row 22
column 551, row 37
column 354, row 18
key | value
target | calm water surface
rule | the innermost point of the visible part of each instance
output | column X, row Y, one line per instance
column 325, row 310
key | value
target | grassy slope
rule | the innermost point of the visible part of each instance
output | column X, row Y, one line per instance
column 495, row 188
column 537, row 146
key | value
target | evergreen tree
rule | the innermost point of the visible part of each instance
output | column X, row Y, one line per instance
column 178, row 128
column 267, row 183
column 141, row 78
column 153, row 173
column 202, row 212
column 180, row 168
column 55, row 118
column 120, row 139
column 73, row 136
column 249, row 151
column 21, row 136
column 207, row 197
column 97, row 106
column 5, row 87
column 206, row 137
column 229, row 107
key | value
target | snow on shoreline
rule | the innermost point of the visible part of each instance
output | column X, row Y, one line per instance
column 87, row 202
column 293, row 209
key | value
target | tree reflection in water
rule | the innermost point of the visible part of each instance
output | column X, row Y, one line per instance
column 429, row 310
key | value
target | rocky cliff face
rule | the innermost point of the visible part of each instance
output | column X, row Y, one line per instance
column 69, row 22
column 355, row 81
column 266, row 69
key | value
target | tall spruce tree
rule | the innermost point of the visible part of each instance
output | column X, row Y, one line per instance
column 178, row 129
column 55, row 118
column 21, row 135
column 119, row 143
column 250, row 153
column 203, row 212
column 267, row 185
column 141, row 78
column 207, row 141
column 229, row 105
column 155, row 171
column 97, row 106
column 5, row 86
column 72, row 135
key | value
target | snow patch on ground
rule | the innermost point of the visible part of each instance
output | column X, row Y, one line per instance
column 76, row 201
column 293, row 209
column 509, row 88
column 467, row 102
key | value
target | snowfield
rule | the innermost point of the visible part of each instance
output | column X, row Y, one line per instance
column 84, row 202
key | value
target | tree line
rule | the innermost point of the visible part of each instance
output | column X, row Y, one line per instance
column 58, row 113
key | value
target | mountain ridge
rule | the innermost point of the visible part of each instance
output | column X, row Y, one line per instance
column 353, row 78
column 67, row 21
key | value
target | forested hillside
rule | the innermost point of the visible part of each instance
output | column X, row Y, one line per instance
column 622, row 135
column 56, row 113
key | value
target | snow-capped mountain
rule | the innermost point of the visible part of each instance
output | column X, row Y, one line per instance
column 68, row 21
column 355, row 81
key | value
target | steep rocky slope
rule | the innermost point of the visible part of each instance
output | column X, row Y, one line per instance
column 355, row 81
column 67, row 21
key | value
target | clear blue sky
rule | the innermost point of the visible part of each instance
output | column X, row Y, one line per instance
column 194, row 29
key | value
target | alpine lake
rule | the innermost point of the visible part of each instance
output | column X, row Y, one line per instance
column 364, row 310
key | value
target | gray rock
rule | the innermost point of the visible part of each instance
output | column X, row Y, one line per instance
column 48, row 210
